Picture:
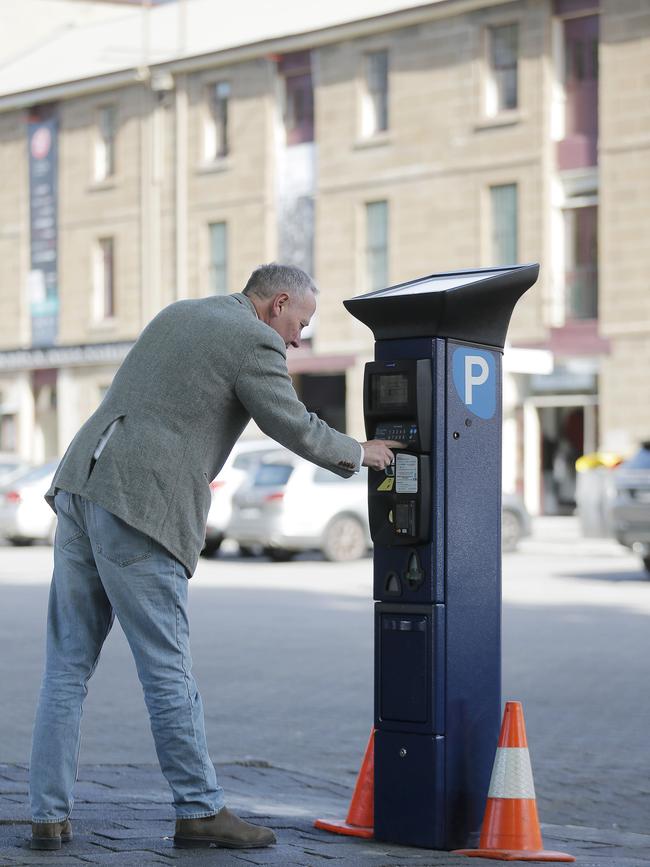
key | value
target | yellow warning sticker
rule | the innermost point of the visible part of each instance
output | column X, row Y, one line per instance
column 387, row 484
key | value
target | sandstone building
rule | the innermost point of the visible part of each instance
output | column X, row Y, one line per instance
column 163, row 154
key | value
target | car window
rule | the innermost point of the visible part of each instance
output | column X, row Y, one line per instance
column 246, row 460
column 36, row 474
column 272, row 474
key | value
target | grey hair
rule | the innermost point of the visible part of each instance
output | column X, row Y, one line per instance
column 268, row 280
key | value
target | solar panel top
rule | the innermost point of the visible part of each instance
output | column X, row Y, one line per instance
column 436, row 284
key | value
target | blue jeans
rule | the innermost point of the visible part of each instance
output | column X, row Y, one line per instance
column 104, row 568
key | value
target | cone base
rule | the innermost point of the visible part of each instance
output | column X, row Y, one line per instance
column 514, row 854
column 340, row 827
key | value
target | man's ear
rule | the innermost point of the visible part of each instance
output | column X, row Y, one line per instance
column 279, row 302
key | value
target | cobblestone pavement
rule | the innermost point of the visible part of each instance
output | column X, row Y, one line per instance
column 122, row 816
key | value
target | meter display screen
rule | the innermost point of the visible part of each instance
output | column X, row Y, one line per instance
column 389, row 390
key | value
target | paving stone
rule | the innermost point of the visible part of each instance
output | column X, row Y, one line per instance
column 7, row 786
column 123, row 816
column 18, row 773
column 132, row 859
column 124, row 834
column 41, row 859
column 10, row 811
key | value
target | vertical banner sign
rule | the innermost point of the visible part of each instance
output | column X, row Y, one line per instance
column 43, row 284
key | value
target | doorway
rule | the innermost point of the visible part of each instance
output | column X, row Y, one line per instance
column 557, row 431
column 324, row 394
column 562, row 443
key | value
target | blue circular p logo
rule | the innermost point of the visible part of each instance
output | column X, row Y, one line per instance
column 474, row 375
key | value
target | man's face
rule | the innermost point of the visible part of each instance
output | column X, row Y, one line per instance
column 291, row 315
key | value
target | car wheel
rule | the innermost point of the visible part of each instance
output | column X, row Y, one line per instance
column 278, row 555
column 510, row 530
column 246, row 551
column 646, row 563
column 20, row 541
column 211, row 546
column 344, row 539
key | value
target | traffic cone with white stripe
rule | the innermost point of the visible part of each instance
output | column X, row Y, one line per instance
column 511, row 829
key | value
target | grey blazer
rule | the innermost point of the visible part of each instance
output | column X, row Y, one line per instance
column 182, row 396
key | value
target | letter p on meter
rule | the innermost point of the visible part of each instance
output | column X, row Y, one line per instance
column 476, row 373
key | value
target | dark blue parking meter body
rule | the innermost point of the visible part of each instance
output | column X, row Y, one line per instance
column 435, row 519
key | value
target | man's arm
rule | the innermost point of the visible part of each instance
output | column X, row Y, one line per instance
column 264, row 387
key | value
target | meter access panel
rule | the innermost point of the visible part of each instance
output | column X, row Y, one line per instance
column 397, row 400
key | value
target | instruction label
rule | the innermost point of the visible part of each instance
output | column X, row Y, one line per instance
column 406, row 474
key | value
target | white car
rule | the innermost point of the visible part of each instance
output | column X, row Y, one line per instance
column 244, row 457
column 25, row 517
column 289, row 505
column 11, row 466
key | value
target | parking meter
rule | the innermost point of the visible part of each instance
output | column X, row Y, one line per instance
column 435, row 519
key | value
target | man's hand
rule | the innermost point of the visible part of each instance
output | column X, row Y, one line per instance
column 377, row 453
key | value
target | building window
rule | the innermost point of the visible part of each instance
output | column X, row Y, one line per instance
column 502, row 85
column 375, row 99
column 504, row 219
column 377, row 245
column 218, row 258
column 579, row 146
column 581, row 262
column 295, row 69
column 105, row 143
column 104, row 289
column 216, row 134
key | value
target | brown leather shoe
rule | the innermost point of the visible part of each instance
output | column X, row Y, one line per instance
column 224, row 829
column 50, row 835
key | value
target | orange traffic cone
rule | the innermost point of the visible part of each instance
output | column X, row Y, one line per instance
column 511, row 829
column 361, row 815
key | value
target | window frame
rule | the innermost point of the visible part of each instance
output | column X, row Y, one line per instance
column 295, row 70
column 212, row 270
column 103, row 289
column 105, row 145
column 216, row 138
column 370, row 125
column 491, row 107
column 570, row 212
column 494, row 259
column 370, row 249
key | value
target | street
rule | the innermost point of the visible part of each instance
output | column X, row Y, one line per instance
column 283, row 657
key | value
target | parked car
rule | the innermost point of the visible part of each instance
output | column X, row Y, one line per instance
column 630, row 507
column 289, row 504
column 25, row 517
column 244, row 457
column 515, row 521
